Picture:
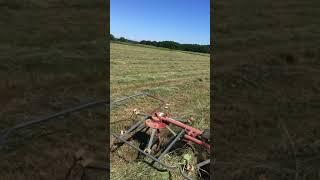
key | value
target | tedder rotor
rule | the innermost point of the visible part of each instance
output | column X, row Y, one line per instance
column 159, row 123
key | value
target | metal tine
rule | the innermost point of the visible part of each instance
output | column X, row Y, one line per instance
column 174, row 133
column 148, row 149
column 47, row 118
column 5, row 133
column 134, row 126
column 153, row 158
column 172, row 143
column 126, row 97
column 141, row 151
column 203, row 163
column 135, row 95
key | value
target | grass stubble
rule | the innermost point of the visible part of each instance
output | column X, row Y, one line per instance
column 180, row 78
column 48, row 64
column 266, row 89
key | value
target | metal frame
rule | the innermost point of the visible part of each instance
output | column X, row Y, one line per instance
column 156, row 122
column 187, row 133
column 170, row 168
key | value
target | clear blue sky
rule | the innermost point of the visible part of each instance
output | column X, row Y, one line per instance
column 183, row 21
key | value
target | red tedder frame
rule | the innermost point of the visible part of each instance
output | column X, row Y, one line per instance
column 159, row 121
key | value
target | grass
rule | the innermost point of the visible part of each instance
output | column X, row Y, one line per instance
column 154, row 47
column 179, row 77
column 49, row 64
column 266, row 64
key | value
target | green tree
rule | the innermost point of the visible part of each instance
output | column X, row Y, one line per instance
column 122, row 39
column 112, row 37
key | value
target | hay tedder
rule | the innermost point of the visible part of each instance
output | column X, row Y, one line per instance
column 162, row 133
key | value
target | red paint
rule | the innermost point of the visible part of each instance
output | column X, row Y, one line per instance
column 160, row 120
column 197, row 141
column 189, row 129
column 154, row 124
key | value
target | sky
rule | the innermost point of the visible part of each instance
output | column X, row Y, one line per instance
column 183, row 21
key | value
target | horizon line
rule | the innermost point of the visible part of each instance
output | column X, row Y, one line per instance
column 159, row 41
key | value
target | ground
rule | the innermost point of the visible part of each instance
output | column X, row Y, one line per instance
column 266, row 85
column 52, row 57
column 181, row 78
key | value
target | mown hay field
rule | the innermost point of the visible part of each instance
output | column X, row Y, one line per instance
column 52, row 60
column 180, row 78
column 266, row 89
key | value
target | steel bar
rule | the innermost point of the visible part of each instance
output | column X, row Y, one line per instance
column 144, row 153
column 7, row 132
column 127, row 97
column 47, row 118
column 182, row 125
column 139, row 126
column 153, row 132
column 151, row 157
column 161, row 105
column 171, row 144
column 197, row 141
column 145, row 117
column 203, row 163
column 149, row 95
column 128, row 135
column 203, row 171
column 174, row 133
column 135, row 126
column 180, row 119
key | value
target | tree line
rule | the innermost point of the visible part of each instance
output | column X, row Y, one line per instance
column 167, row 44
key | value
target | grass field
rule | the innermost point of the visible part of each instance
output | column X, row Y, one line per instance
column 48, row 64
column 181, row 78
column 267, row 69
